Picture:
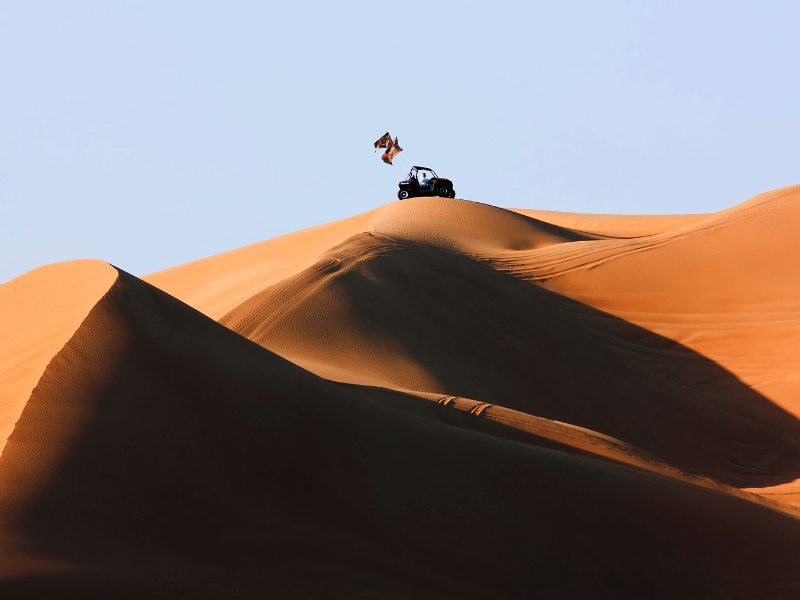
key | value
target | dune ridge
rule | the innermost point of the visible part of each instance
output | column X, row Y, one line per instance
column 216, row 284
column 43, row 309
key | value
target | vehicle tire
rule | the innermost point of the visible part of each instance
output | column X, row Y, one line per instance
column 452, row 194
column 443, row 191
column 402, row 194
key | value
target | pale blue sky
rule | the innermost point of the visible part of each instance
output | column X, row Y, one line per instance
column 151, row 133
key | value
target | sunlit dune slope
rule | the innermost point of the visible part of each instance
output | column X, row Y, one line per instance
column 40, row 312
column 726, row 286
column 467, row 227
column 216, row 284
column 612, row 226
column 163, row 455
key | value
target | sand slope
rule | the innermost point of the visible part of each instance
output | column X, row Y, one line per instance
column 456, row 312
column 188, row 461
column 725, row 286
column 439, row 398
column 41, row 311
column 216, row 284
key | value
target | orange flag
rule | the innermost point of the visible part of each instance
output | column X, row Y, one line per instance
column 392, row 147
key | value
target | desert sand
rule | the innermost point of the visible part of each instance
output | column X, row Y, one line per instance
column 438, row 398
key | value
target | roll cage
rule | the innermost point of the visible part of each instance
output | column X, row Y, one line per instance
column 415, row 172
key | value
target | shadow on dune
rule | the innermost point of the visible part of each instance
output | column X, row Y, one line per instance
column 374, row 303
column 162, row 455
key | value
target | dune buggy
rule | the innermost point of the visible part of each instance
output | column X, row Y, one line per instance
column 422, row 181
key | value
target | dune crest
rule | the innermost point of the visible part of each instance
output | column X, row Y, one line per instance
column 613, row 226
column 39, row 312
column 465, row 226
column 216, row 284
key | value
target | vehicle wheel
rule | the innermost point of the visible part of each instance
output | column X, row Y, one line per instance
column 443, row 191
column 402, row 194
column 452, row 194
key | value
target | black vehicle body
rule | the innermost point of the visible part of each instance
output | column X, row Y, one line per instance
column 422, row 181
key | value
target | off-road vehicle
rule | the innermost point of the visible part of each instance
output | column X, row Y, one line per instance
column 422, row 181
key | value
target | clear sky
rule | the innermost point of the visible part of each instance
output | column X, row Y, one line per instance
column 151, row 133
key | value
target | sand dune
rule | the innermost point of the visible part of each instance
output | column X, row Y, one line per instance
column 612, row 226
column 725, row 286
column 467, row 227
column 438, row 398
column 216, row 284
column 41, row 311
column 378, row 310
